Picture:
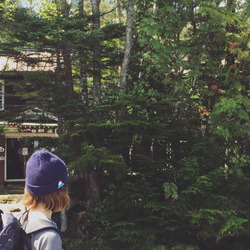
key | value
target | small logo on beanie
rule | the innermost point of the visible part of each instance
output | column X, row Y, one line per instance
column 60, row 184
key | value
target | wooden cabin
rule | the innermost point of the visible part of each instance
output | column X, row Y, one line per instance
column 30, row 122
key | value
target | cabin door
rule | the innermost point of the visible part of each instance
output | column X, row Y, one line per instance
column 17, row 153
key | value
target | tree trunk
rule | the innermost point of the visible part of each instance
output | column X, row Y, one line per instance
column 64, row 222
column 80, row 7
column 63, row 215
column 128, row 45
column 84, row 81
column 118, row 11
column 93, row 191
column 155, row 7
column 96, row 53
column 59, row 82
column 66, row 51
column 83, row 64
column 230, row 58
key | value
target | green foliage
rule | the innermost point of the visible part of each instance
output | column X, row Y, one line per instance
column 2, row 9
column 170, row 190
column 2, row 129
column 171, row 156
column 185, row 247
column 95, row 158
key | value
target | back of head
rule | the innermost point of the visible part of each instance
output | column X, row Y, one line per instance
column 45, row 173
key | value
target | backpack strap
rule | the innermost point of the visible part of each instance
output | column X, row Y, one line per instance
column 1, row 221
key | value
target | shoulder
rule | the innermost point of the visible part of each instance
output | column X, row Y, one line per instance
column 47, row 234
column 37, row 221
column 46, row 239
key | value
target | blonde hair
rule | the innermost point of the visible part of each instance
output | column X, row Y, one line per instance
column 56, row 202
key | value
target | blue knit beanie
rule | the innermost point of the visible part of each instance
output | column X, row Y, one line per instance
column 45, row 173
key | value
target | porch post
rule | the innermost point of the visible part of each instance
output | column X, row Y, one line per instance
column 2, row 159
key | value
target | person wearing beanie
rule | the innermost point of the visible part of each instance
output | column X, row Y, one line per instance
column 44, row 193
